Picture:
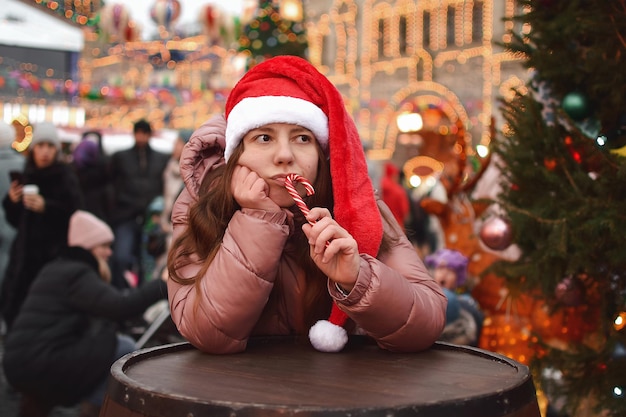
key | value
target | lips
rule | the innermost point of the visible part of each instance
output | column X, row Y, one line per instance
column 280, row 178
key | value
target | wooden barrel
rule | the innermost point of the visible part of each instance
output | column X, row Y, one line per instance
column 281, row 377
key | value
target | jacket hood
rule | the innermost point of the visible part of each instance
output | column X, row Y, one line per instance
column 203, row 152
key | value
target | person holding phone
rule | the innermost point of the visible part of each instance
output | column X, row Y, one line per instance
column 11, row 167
column 39, row 210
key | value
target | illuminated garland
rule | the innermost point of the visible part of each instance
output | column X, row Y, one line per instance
column 23, row 133
column 81, row 12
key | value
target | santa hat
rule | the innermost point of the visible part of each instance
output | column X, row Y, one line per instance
column 288, row 89
column 87, row 231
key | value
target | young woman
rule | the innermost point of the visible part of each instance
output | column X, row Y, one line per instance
column 65, row 338
column 246, row 261
column 40, row 218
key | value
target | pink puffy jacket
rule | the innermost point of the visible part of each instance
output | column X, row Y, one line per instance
column 395, row 300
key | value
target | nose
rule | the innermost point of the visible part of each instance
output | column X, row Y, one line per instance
column 284, row 153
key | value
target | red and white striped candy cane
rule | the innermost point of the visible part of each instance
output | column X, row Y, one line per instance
column 290, row 181
column 291, row 188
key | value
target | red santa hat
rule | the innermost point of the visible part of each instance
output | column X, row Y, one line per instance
column 288, row 89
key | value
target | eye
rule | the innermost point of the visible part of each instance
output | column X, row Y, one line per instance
column 263, row 138
column 304, row 139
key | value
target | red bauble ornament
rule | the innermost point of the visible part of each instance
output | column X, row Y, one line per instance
column 496, row 233
column 549, row 163
column 570, row 291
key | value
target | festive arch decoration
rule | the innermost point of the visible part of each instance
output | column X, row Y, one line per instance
column 421, row 95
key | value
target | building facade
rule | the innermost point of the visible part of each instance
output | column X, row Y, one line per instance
column 440, row 58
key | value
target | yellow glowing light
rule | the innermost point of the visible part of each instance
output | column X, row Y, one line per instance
column 415, row 181
column 482, row 150
column 291, row 10
column 620, row 321
column 619, row 151
column 22, row 123
column 422, row 170
column 409, row 122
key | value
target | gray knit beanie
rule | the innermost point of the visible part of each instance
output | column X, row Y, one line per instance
column 46, row 132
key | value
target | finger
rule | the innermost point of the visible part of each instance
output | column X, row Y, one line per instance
column 312, row 236
column 325, row 237
column 317, row 213
column 331, row 250
column 242, row 182
column 249, row 179
column 240, row 173
column 258, row 186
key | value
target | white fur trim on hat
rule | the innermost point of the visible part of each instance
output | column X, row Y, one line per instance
column 7, row 134
column 88, row 231
column 253, row 112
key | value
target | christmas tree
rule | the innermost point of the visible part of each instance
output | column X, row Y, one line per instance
column 271, row 34
column 563, row 153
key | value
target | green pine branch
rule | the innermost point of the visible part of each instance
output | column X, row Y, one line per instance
column 565, row 195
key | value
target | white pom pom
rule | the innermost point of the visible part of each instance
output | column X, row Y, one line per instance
column 328, row 337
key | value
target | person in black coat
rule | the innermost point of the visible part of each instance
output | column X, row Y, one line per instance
column 137, row 179
column 39, row 208
column 92, row 168
column 65, row 339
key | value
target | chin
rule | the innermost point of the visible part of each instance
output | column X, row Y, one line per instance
column 285, row 203
column 281, row 197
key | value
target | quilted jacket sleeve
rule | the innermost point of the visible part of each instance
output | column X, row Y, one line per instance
column 218, row 317
column 395, row 299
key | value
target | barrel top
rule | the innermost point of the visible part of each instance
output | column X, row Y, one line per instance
column 284, row 376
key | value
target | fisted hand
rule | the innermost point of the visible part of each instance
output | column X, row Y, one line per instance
column 333, row 249
column 251, row 191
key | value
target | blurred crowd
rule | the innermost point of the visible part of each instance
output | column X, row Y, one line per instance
column 84, row 239
column 83, row 242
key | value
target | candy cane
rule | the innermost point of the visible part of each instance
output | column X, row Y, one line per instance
column 290, row 181
column 326, row 335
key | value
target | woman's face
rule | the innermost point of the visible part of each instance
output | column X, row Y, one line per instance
column 102, row 252
column 277, row 149
column 44, row 154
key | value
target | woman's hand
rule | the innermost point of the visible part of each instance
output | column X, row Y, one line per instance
column 34, row 202
column 333, row 249
column 251, row 191
column 15, row 192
